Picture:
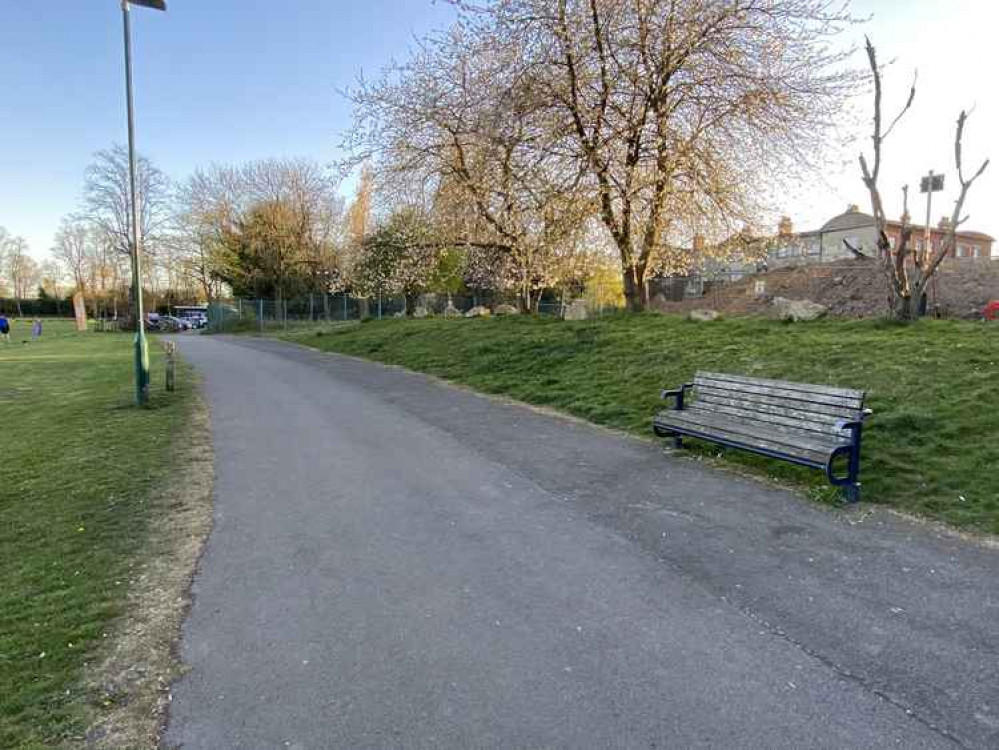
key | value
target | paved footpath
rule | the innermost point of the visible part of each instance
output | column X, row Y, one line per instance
column 397, row 563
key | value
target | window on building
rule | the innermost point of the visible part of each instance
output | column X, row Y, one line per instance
column 813, row 247
column 962, row 251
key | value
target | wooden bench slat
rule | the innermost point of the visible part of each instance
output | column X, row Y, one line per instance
column 776, row 434
column 809, row 410
column 798, row 396
column 713, row 433
column 826, row 390
column 739, row 411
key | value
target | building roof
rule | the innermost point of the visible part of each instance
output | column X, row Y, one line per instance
column 977, row 235
column 852, row 219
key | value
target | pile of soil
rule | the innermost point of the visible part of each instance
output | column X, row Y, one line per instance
column 853, row 288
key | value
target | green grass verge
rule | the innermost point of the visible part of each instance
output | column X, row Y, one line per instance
column 932, row 446
column 77, row 464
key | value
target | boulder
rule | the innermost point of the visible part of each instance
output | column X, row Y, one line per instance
column 506, row 310
column 703, row 316
column 421, row 312
column 479, row 311
column 797, row 310
column 576, row 311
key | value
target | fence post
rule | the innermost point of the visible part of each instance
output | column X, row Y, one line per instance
column 345, row 305
column 171, row 365
column 260, row 316
column 312, row 316
column 286, row 315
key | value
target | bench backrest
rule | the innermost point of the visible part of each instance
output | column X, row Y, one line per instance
column 778, row 403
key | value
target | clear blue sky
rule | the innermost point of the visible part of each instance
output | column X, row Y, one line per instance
column 216, row 80
column 228, row 80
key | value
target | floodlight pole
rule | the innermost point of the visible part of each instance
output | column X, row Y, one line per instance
column 141, row 346
column 927, row 235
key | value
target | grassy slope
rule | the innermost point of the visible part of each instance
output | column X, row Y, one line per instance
column 931, row 446
column 78, row 461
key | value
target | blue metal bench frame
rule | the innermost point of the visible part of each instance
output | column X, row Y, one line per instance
column 848, row 482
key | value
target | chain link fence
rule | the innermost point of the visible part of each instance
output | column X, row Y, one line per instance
column 236, row 315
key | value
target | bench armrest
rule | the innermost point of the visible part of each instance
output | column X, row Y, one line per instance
column 677, row 393
column 854, row 424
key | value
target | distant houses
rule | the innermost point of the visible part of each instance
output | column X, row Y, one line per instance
column 743, row 254
column 856, row 228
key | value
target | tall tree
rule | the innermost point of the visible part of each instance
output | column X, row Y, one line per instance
column 460, row 121
column 107, row 199
column 22, row 270
column 4, row 279
column 72, row 249
column 286, row 228
column 677, row 110
column 208, row 205
column 52, row 275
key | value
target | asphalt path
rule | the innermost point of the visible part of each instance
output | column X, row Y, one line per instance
column 400, row 563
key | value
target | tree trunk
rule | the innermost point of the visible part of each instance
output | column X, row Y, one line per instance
column 634, row 289
column 906, row 308
column 411, row 303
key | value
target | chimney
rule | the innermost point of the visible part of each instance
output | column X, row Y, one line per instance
column 698, row 243
column 785, row 228
column 853, row 208
column 944, row 224
column 906, row 217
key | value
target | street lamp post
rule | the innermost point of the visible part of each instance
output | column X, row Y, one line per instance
column 930, row 184
column 141, row 347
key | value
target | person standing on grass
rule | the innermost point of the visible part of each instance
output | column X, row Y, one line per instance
column 36, row 329
column 4, row 328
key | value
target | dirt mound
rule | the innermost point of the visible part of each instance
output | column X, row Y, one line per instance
column 849, row 288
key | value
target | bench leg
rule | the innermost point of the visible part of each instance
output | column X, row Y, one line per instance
column 677, row 442
column 852, row 492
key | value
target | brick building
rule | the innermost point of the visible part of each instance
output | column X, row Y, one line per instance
column 858, row 229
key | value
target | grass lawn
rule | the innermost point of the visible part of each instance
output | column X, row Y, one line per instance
column 78, row 464
column 932, row 446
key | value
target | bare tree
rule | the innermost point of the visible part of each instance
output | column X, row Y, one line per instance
column 908, row 273
column 107, row 202
column 72, row 249
column 22, row 270
column 52, row 276
column 4, row 278
column 208, row 206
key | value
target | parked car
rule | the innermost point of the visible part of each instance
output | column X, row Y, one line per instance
column 196, row 321
column 170, row 323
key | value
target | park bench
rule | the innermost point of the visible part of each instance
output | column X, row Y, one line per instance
column 809, row 425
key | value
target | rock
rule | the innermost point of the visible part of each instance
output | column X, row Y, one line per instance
column 797, row 310
column 506, row 310
column 399, row 314
column 577, row 310
column 451, row 311
column 703, row 316
column 478, row 311
column 421, row 312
